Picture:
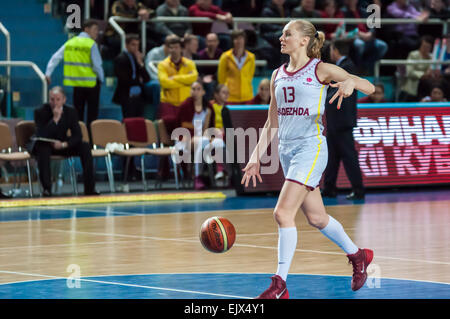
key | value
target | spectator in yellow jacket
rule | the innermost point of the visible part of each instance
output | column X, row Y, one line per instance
column 175, row 74
column 236, row 69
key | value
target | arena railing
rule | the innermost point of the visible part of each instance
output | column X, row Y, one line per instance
column 236, row 21
column 8, row 69
column 35, row 69
column 404, row 62
column 154, row 64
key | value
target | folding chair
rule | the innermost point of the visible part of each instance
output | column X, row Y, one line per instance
column 166, row 143
column 7, row 155
column 112, row 131
column 96, row 153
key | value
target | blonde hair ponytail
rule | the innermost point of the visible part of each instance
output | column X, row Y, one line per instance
column 315, row 45
column 316, row 38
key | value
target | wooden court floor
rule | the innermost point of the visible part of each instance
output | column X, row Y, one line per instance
column 37, row 245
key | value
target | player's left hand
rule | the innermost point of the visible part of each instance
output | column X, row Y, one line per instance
column 345, row 89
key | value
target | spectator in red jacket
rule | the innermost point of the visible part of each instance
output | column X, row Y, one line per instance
column 196, row 114
column 205, row 8
column 330, row 11
column 375, row 97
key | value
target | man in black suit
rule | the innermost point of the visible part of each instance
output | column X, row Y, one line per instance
column 53, row 120
column 131, row 76
column 340, row 124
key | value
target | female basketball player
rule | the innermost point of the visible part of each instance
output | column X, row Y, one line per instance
column 299, row 90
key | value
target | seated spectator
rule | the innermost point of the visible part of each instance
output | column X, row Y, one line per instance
column 209, row 73
column 330, row 11
column 173, row 8
column 190, row 46
column 272, row 31
column 436, row 94
column 408, row 37
column 236, row 69
column 210, row 52
column 53, row 120
column 152, row 88
column 131, row 75
column 368, row 49
column 176, row 75
column 221, row 95
column 128, row 9
column 157, row 54
column 428, row 81
column 415, row 71
column 263, row 96
column 306, row 9
column 375, row 97
column 193, row 113
column 205, row 8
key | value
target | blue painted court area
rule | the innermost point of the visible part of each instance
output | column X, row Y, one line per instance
column 219, row 286
column 230, row 203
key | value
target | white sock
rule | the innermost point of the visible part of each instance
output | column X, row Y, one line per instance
column 336, row 233
column 287, row 242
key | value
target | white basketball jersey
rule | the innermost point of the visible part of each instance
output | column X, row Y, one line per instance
column 300, row 98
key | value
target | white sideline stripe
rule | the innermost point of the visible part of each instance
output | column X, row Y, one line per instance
column 126, row 285
column 250, row 246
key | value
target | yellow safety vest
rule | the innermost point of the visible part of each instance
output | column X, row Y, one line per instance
column 78, row 64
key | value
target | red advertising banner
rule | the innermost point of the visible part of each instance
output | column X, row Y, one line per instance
column 399, row 144
column 402, row 146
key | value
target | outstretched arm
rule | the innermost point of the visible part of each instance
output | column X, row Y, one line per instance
column 346, row 82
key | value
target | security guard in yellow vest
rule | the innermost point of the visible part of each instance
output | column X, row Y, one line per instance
column 82, row 70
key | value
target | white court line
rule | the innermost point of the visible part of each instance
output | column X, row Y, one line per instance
column 126, row 285
column 248, row 246
column 82, row 210
column 66, row 245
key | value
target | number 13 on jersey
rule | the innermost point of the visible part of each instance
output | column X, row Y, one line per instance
column 289, row 94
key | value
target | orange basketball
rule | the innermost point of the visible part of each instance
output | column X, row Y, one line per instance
column 217, row 234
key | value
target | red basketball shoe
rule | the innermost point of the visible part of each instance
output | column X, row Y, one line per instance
column 277, row 290
column 360, row 261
